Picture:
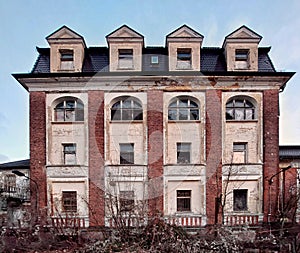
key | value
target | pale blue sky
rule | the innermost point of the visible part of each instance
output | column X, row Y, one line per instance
column 25, row 24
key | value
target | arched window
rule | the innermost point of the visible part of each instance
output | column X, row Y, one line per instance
column 70, row 109
column 127, row 108
column 183, row 108
column 240, row 109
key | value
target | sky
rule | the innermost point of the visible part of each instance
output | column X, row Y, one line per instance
column 24, row 24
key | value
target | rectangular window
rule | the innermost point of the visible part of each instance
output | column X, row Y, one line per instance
column 126, row 58
column 127, row 153
column 66, row 59
column 10, row 183
column 69, row 153
column 126, row 201
column 241, row 59
column 69, row 201
column 184, row 58
column 239, row 152
column 183, row 153
column 240, row 200
column 184, row 200
column 154, row 59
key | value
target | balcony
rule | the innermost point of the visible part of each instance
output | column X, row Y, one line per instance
column 188, row 221
column 242, row 219
column 22, row 193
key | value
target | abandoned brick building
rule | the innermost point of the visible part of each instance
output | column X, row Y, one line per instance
column 168, row 130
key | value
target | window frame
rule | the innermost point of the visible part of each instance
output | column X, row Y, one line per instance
column 154, row 62
column 126, row 201
column 64, row 112
column 125, row 57
column 119, row 111
column 242, row 58
column 10, row 182
column 69, row 203
column 69, row 153
column 184, row 58
column 127, row 154
column 184, row 202
column 237, row 148
column 242, row 199
column 179, row 108
column 183, row 152
column 241, row 109
column 66, row 59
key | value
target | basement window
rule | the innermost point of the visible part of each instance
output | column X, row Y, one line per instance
column 184, row 200
column 69, row 201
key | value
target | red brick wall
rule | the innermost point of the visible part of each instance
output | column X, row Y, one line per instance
column 96, row 157
column 38, row 148
column 155, row 150
column 271, row 150
column 213, row 152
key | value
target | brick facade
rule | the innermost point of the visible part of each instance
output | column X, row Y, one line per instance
column 155, row 149
column 213, row 153
column 96, row 158
column 38, row 149
column 271, row 150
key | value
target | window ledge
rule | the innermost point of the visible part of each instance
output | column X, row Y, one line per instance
column 67, row 122
column 240, row 121
column 184, row 121
column 125, row 121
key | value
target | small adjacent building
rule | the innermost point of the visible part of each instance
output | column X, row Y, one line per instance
column 14, row 194
column 134, row 130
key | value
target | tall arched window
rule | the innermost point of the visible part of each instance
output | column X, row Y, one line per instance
column 127, row 108
column 70, row 109
column 183, row 108
column 240, row 109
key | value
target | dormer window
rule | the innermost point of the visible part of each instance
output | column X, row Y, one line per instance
column 125, row 58
column 242, row 58
column 66, row 59
column 184, row 58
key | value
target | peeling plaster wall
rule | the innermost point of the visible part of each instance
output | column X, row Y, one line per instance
column 59, row 133
column 117, row 132
column 249, row 132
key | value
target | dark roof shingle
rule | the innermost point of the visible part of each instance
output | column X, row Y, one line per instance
column 97, row 60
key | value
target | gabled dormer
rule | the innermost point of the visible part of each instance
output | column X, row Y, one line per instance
column 125, row 49
column 66, row 50
column 184, row 46
column 241, row 50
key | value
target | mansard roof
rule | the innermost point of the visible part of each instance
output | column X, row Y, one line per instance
column 97, row 59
